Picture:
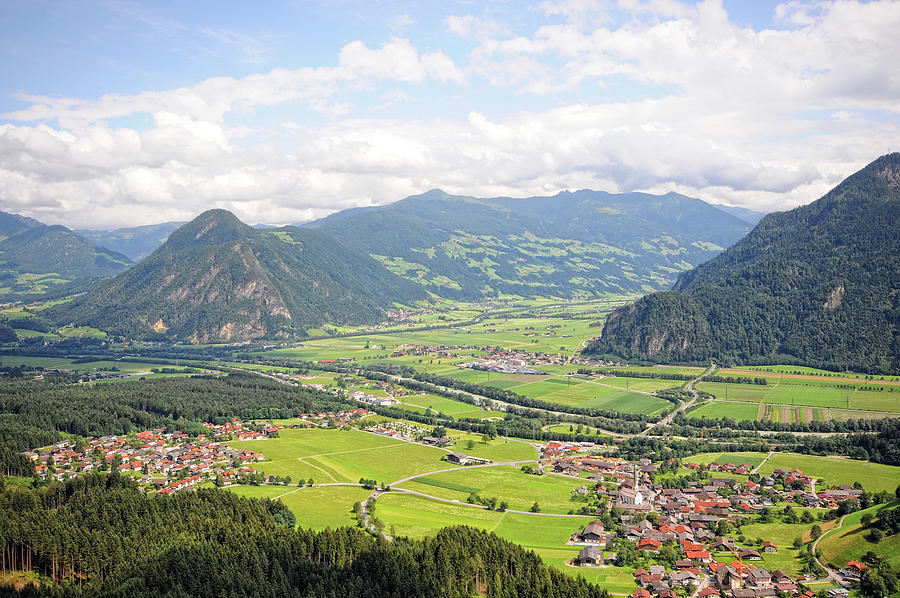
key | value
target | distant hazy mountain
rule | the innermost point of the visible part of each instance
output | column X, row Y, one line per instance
column 748, row 216
column 819, row 285
column 36, row 259
column 216, row 278
column 137, row 242
column 570, row 243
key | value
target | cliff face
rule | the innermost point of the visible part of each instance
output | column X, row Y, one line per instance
column 217, row 279
column 818, row 285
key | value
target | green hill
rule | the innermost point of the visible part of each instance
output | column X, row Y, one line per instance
column 137, row 242
column 216, row 278
column 818, row 285
column 36, row 259
column 571, row 243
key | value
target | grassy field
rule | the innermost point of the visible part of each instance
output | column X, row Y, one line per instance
column 519, row 490
column 737, row 411
column 807, row 371
column 416, row 517
column 809, row 391
column 342, row 456
column 783, row 534
column 454, row 409
column 499, row 449
column 828, row 470
column 849, row 543
column 314, row 508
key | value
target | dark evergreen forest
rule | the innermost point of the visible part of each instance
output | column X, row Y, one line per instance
column 99, row 536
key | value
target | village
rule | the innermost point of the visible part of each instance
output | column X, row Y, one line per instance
column 686, row 540
column 166, row 462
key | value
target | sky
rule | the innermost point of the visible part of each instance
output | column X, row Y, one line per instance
column 119, row 113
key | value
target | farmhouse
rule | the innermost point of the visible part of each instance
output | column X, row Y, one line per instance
column 593, row 532
column 460, row 458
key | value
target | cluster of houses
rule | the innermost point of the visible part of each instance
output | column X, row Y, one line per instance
column 364, row 397
column 687, row 519
column 440, row 351
column 555, row 450
column 735, row 580
column 695, row 566
column 159, row 460
column 330, row 419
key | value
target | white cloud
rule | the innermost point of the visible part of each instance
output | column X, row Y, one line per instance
column 472, row 27
column 396, row 60
column 763, row 119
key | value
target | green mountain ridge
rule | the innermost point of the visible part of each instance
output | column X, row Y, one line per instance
column 818, row 285
column 36, row 259
column 568, row 244
column 217, row 279
column 136, row 242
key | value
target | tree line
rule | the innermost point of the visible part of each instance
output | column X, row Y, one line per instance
column 99, row 536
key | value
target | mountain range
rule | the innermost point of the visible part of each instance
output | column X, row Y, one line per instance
column 818, row 285
column 586, row 242
column 36, row 259
column 217, row 279
column 136, row 242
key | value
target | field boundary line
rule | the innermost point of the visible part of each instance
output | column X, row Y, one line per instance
column 499, row 521
column 718, row 400
column 317, row 467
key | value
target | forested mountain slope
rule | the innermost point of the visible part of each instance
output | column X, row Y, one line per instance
column 570, row 243
column 36, row 259
column 818, row 285
column 216, row 278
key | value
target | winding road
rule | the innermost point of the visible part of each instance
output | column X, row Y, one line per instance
column 694, row 396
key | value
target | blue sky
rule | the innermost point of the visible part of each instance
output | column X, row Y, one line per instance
column 125, row 113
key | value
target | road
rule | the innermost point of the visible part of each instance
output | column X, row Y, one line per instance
column 694, row 396
column 763, row 462
column 815, row 549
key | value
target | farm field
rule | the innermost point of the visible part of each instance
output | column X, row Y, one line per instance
column 656, row 369
column 734, row 410
column 317, row 507
column 574, row 392
column 782, row 534
column 498, row 449
column 780, row 413
column 454, row 409
column 802, row 371
column 518, row 489
column 833, row 471
column 814, row 393
column 342, row 456
column 849, row 543
column 416, row 517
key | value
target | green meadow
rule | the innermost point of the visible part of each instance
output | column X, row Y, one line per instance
column 849, row 542
column 497, row 450
column 449, row 407
column 506, row 483
column 834, row 471
column 416, row 517
column 317, row 507
column 342, row 456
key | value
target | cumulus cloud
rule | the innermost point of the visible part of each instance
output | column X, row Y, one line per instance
column 396, row 60
column 764, row 119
